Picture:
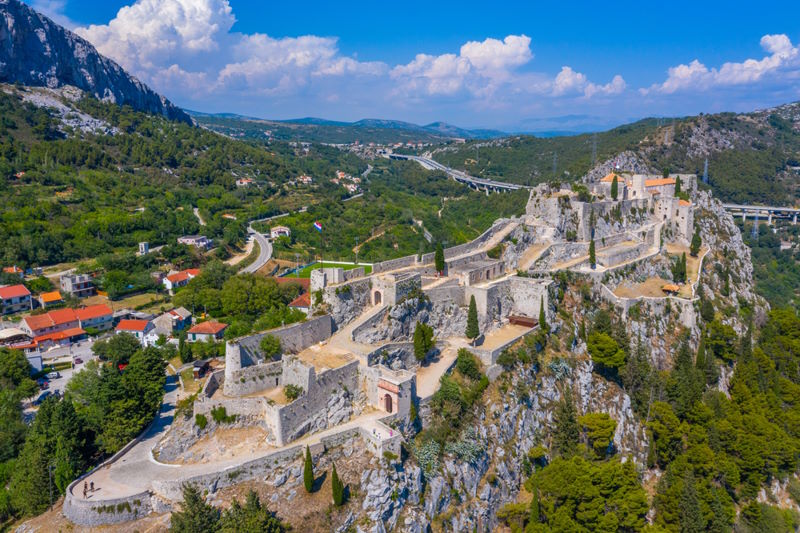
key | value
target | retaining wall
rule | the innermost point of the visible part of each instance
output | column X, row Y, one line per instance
column 253, row 379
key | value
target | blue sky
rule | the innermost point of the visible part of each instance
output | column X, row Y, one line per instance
column 536, row 65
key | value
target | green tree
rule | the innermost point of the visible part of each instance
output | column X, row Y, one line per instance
column 599, row 429
column 694, row 249
column 337, row 488
column 252, row 517
column 614, row 188
column 308, row 471
column 677, row 185
column 438, row 258
column 592, row 254
column 566, row 432
column 686, row 383
column 605, row 351
column 691, row 517
column 473, row 329
column 195, row 516
column 542, row 316
column 423, row 340
column 117, row 349
column 270, row 346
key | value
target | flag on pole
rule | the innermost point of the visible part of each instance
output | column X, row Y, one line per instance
column 318, row 227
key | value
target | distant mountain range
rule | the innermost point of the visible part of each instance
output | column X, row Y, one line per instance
column 36, row 51
column 315, row 129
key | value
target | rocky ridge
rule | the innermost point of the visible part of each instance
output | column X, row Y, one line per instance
column 35, row 51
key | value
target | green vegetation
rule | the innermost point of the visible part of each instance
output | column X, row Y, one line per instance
column 776, row 272
column 200, row 421
column 196, row 516
column 679, row 269
column 472, row 332
column 438, row 258
column 423, row 340
column 337, row 488
column 292, row 392
column 270, row 346
column 614, row 188
column 308, row 471
column 592, row 254
column 697, row 241
column 220, row 415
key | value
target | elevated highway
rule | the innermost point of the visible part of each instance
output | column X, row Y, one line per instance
column 767, row 212
column 480, row 184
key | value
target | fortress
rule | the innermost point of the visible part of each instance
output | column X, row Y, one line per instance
column 350, row 371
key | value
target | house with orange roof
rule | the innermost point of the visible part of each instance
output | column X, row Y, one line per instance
column 51, row 322
column 302, row 303
column 50, row 299
column 180, row 279
column 205, row 331
column 15, row 271
column 135, row 327
column 99, row 317
column 15, row 298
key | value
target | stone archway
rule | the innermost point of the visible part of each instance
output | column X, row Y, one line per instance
column 387, row 403
column 377, row 298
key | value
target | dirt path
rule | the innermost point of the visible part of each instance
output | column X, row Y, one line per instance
column 248, row 249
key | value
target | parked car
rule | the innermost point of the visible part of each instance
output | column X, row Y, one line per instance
column 77, row 361
column 53, row 375
column 43, row 383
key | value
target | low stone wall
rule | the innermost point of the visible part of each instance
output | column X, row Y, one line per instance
column 104, row 512
column 394, row 354
column 212, row 384
column 252, row 379
column 394, row 264
column 249, row 408
column 454, row 294
column 367, row 325
column 489, row 356
column 617, row 255
column 381, row 445
column 686, row 308
column 478, row 242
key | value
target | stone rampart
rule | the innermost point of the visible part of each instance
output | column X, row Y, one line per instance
column 394, row 354
column 394, row 264
column 478, row 242
column 347, row 300
column 253, row 379
column 656, row 304
column 92, row 513
column 294, row 338
column 445, row 294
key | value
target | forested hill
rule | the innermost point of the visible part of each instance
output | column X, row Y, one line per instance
column 36, row 51
column 752, row 157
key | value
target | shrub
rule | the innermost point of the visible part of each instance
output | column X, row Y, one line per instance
column 270, row 346
column 221, row 416
column 292, row 392
column 200, row 421
column 467, row 364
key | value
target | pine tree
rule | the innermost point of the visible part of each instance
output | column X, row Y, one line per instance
column 614, row 188
column 195, row 516
column 438, row 258
column 473, row 329
column 337, row 488
column 694, row 249
column 592, row 256
column 542, row 316
column 308, row 471
column 691, row 516
column 566, row 431
column 534, row 513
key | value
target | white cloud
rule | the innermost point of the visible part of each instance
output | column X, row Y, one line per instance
column 54, row 9
column 568, row 81
column 697, row 76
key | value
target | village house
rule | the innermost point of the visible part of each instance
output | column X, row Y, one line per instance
column 305, row 180
column 279, row 231
column 244, row 182
column 180, row 279
column 15, row 298
column 77, row 285
column 99, row 317
column 206, row 331
column 15, row 271
column 198, row 241
column 302, row 303
column 50, row 299
column 137, row 328
column 173, row 320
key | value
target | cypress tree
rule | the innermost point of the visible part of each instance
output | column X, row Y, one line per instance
column 438, row 258
column 677, row 185
column 337, row 488
column 533, row 514
column 542, row 317
column 419, row 343
column 694, row 249
column 473, row 330
column 566, row 432
column 592, row 255
column 308, row 471
column 614, row 188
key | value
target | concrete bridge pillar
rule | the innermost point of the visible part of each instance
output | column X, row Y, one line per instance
column 769, row 219
column 794, row 219
column 744, row 216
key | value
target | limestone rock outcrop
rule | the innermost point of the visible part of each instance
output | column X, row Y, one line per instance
column 36, row 51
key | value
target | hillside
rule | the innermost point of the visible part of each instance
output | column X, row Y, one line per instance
column 36, row 51
column 333, row 132
column 752, row 157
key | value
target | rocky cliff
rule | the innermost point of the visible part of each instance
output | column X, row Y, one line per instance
column 36, row 51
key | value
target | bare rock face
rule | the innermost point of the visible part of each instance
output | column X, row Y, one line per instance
column 36, row 51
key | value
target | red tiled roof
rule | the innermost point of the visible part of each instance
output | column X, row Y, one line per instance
column 208, row 328
column 14, row 291
column 658, row 182
column 36, row 322
column 132, row 325
column 59, row 335
column 50, row 297
column 93, row 311
column 62, row 316
column 304, row 300
column 194, row 272
column 12, row 270
column 684, row 202
column 178, row 277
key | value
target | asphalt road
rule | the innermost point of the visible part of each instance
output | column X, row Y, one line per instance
column 264, row 253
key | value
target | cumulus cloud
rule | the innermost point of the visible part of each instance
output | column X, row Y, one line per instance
column 782, row 56
column 568, row 81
